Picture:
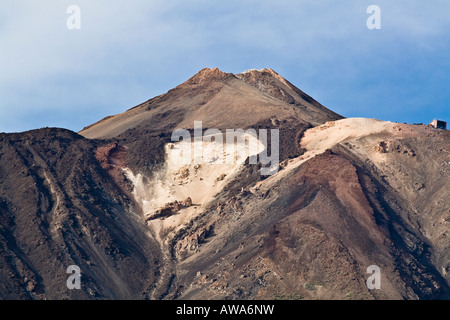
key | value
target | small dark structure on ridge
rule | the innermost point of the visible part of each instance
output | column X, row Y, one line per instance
column 438, row 124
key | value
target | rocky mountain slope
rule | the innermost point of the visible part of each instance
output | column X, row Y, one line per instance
column 117, row 201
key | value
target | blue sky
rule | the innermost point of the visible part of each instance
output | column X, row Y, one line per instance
column 129, row 51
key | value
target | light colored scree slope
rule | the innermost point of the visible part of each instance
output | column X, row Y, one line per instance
column 182, row 177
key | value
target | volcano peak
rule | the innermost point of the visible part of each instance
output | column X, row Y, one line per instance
column 208, row 74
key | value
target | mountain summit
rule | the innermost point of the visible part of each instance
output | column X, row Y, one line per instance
column 351, row 198
column 220, row 100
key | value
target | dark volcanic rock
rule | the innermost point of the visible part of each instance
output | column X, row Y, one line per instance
column 58, row 207
column 308, row 232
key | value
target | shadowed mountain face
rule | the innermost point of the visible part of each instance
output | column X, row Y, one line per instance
column 116, row 201
column 60, row 208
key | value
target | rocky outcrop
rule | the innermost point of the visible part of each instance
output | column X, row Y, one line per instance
column 189, row 243
column 170, row 208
